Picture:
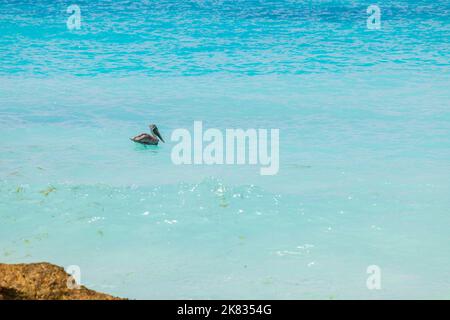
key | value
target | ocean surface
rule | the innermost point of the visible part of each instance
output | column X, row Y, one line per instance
column 364, row 120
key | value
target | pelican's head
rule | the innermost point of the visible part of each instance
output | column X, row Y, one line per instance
column 155, row 131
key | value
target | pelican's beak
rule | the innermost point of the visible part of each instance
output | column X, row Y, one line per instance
column 156, row 132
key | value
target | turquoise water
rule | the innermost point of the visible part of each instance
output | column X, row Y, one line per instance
column 364, row 121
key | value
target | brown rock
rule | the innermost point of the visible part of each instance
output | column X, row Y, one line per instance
column 41, row 281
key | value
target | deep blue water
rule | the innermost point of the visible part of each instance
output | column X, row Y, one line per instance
column 364, row 120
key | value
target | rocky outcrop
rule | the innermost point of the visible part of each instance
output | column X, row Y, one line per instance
column 41, row 281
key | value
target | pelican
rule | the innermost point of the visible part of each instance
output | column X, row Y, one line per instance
column 147, row 139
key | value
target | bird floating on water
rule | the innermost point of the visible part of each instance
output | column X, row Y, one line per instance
column 147, row 139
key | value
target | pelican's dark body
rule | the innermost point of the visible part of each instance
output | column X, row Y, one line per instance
column 147, row 139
